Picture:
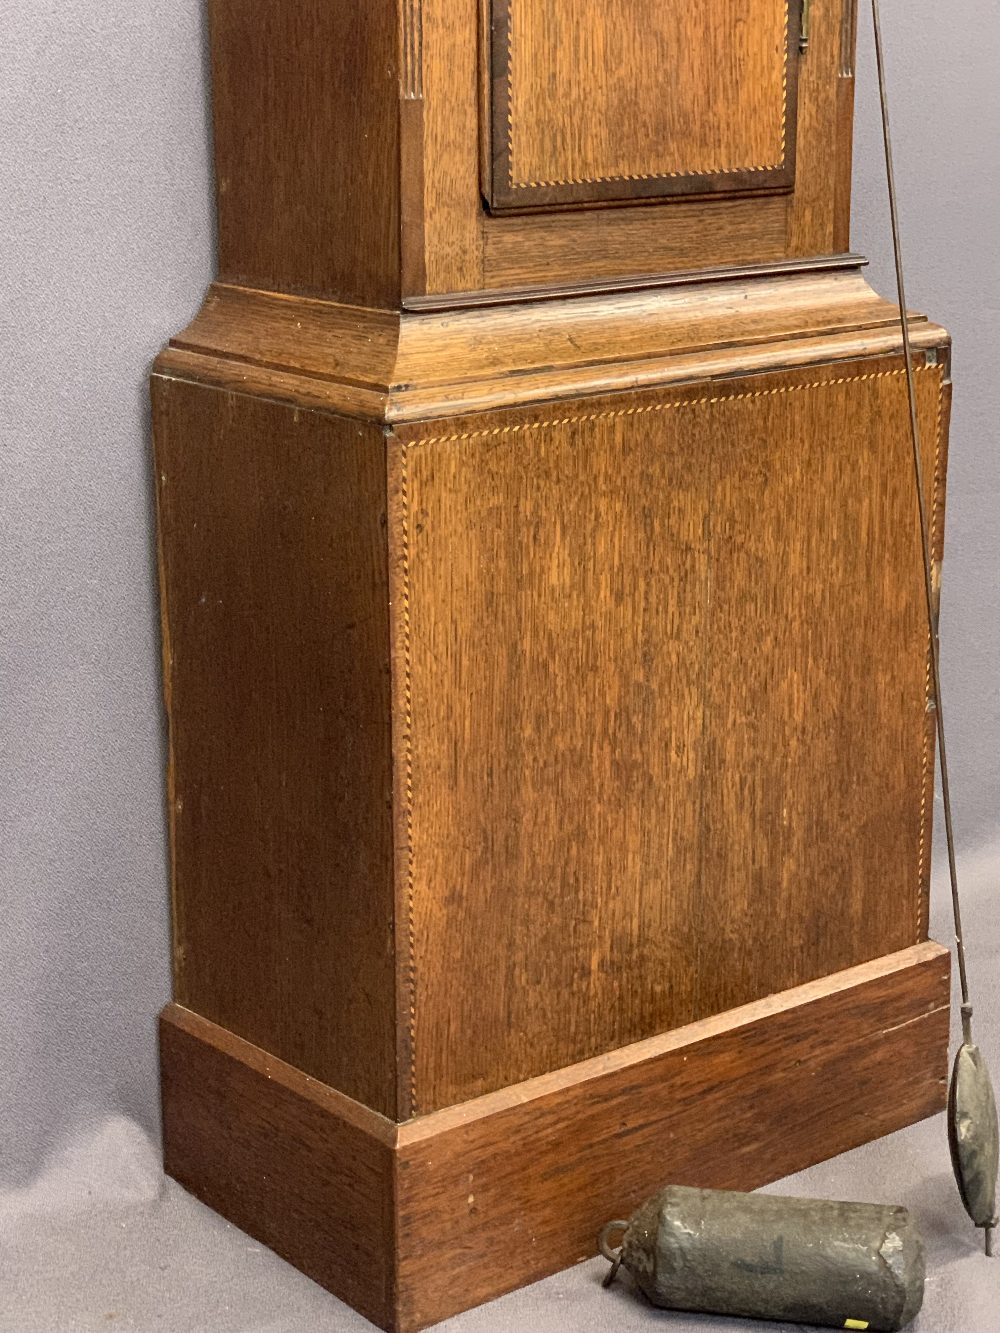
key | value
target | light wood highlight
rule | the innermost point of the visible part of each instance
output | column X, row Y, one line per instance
column 406, row 1222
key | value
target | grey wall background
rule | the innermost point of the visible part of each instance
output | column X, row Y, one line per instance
column 105, row 250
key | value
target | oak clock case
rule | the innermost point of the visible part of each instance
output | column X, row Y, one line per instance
column 545, row 657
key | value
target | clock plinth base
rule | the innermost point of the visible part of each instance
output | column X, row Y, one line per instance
column 412, row 1223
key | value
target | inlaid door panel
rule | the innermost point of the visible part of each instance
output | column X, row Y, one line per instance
column 664, row 711
column 617, row 100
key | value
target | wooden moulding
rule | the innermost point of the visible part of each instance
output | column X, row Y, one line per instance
column 413, row 1223
column 395, row 367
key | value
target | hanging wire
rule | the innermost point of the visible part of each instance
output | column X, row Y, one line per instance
column 925, row 541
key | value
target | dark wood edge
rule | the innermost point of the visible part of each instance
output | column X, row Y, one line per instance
column 844, row 165
column 504, row 197
column 641, row 282
column 514, row 201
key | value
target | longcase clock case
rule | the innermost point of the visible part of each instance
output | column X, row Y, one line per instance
column 551, row 762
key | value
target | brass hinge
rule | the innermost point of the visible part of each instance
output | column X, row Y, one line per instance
column 804, row 29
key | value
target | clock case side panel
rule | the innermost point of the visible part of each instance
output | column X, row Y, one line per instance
column 271, row 526
column 305, row 97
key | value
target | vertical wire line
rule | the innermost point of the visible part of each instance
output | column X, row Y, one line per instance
column 932, row 615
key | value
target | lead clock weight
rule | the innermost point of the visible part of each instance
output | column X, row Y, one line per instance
column 808, row 1261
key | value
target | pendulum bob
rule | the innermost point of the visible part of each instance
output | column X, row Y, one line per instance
column 973, row 1137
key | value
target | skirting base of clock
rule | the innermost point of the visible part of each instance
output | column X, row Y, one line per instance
column 412, row 1223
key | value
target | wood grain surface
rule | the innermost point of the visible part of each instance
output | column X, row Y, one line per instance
column 416, row 1222
column 306, row 113
column 614, row 99
column 276, row 671
column 551, row 770
column 347, row 143
column 543, row 653
column 464, row 248
column 661, row 689
column 301, row 1168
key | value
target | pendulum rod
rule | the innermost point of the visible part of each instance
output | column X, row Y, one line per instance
column 925, row 541
column 973, row 1133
